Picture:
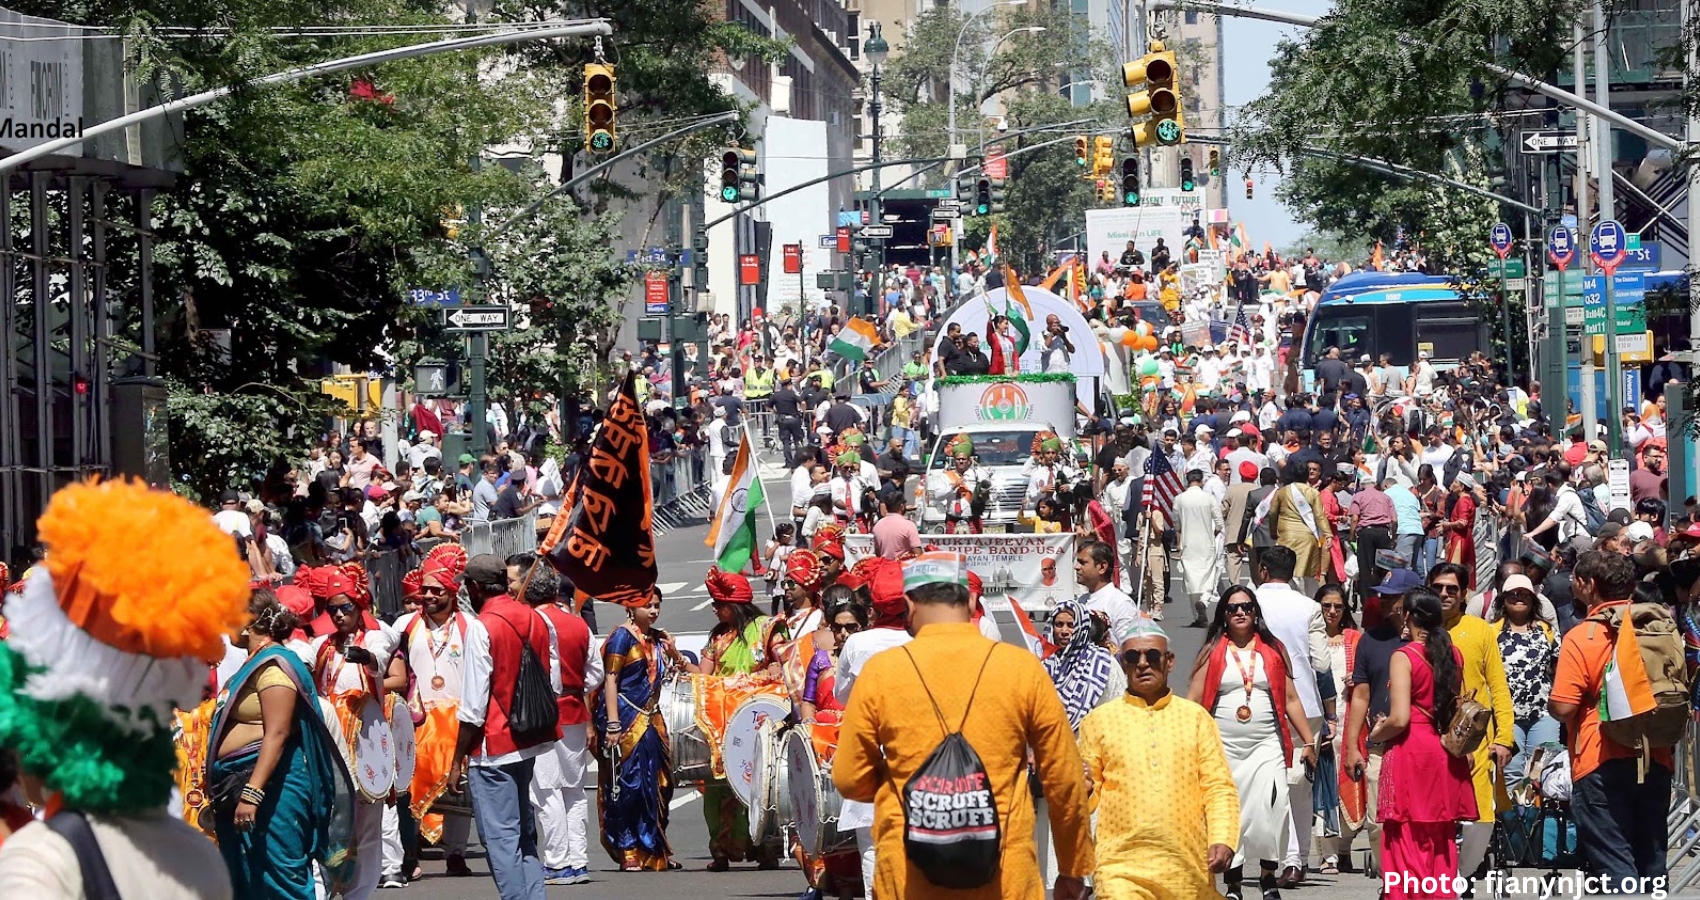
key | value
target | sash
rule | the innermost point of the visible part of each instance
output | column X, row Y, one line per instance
column 957, row 500
column 1305, row 512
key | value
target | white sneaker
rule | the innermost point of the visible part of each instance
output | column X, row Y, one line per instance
column 391, row 881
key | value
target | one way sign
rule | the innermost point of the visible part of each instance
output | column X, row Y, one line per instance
column 1549, row 141
column 476, row 318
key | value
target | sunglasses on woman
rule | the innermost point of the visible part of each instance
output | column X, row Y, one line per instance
column 1333, row 606
column 1235, row 609
column 1152, row 657
column 851, row 627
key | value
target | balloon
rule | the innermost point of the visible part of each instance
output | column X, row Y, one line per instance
column 1148, row 367
column 1148, row 342
column 1131, row 339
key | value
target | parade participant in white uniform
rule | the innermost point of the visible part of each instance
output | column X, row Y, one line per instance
column 557, row 784
column 1198, row 520
column 1047, row 470
column 962, row 489
column 433, row 642
column 350, row 661
column 848, row 486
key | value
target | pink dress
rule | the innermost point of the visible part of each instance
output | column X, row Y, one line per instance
column 1424, row 793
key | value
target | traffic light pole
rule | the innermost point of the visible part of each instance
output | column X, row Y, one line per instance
column 822, row 179
column 1608, row 210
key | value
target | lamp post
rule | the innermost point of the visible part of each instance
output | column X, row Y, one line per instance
column 876, row 48
column 950, row 76
column 1029, row 29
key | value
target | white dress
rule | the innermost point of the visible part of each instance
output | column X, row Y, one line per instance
column 1255, row 759
column 1198, row 520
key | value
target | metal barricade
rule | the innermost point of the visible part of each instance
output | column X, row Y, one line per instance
column 510, row 536
column 475, row 537
column 680, row 487
column 1684, row 818
column 384, row 571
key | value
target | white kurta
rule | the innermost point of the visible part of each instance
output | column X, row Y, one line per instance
column 1198, row 519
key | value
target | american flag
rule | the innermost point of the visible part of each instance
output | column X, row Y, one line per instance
column 1240, row 331
column 1162, row 483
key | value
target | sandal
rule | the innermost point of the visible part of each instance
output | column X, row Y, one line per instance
column 1329, row 867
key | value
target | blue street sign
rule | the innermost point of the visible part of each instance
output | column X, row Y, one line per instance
column 1561, row 246
column 1628, row 289
column 1500, row 238
column 1649, row 257
column 430, row 297
column 649, row 257
column 1608, row 244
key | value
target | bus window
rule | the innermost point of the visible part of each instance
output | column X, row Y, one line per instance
column 1347, row 329
column 1450, row 331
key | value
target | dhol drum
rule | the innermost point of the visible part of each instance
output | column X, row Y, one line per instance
column 813, row 797
column 773, row 807
column 406, row 748
column 692, row 757
column 374, row 753
column 743, row 741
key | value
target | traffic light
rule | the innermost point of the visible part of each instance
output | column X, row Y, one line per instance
column 1248, row 184
column 1080, row 151
column 599, row 107
column 983, row 197
column 999, row 192
column 1160, row 100
column 965, row 194
column 1215, row 162
column 1187, row 180
column 1106, row 190
column 1103, row 155
column 738, row 178
column 699, row 257
column 1130, row 181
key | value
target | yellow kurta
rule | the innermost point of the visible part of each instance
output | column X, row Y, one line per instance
column 890, row 729
column 1292, row 532
column 1484, row 681
column 1164, row 794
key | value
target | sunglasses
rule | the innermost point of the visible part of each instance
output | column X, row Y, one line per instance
column 1235, row 609
column 1333, row 606
column 1152, row 657
column 851, row 627
column 1448, row 589
column 343, row 609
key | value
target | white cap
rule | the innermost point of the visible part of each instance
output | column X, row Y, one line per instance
column 1204, row 429
column 412, row 496
column 1422, row 354
column 1639, row 531
column 427, row 435
column 720, row 412
column 1241, row 416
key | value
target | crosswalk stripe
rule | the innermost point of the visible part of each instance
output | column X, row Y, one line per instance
column 672, row 587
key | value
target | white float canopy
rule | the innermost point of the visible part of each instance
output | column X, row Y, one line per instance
column 1087, row 362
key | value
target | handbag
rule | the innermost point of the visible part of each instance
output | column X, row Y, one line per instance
column 1467, row 729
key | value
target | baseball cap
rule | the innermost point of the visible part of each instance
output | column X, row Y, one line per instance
column 412, row 496
column 1517, row 583
column 1597, row 446
column 427, row 435
column 1399, row 581
column 1422, row 354
column 487, row 568
column 467, row 459
column 1639, row 531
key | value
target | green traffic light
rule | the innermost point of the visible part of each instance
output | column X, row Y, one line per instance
column 729, row 194
column 1187, row 185
column 601, row 141
column 982, row 209
column 1131, row 199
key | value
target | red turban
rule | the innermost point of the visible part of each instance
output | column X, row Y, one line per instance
column 451, row 557
column 1248, row 471
column 349, row 580
column 728, row 587
column 411, row 583
column 441, row 573
column 831, row 548
column 312, row 580
column 805, row 568
column 827, row 533
column 886, row 586
column 298, row 601
column 976, row 588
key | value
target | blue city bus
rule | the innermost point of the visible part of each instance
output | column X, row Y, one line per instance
column 1396, row 313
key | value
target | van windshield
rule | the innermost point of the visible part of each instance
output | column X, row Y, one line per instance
column 995, row 448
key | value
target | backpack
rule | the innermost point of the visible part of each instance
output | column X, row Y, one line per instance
column 1591, row 509
column 950, row 816
column 1650, row 710
column 531, row 708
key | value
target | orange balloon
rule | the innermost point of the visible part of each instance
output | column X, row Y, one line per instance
column 1130, row 339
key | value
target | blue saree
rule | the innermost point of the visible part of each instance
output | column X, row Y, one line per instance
column 308, row 813
column 634, row 817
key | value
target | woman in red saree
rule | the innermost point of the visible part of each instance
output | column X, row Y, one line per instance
column 1338, row 524
column 1458, row 525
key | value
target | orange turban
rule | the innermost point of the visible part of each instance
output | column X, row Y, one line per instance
column 805, row 568
column 886, row 586
column 728, row 587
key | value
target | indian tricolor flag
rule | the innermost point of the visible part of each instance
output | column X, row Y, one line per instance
column 732, row 532
column 855, row 340
column 991, row 253
column 1030, row 632
column 1627, row 690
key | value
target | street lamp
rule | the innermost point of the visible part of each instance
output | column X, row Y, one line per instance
column 1029, row 29
column 950, row 76
column 877, row 49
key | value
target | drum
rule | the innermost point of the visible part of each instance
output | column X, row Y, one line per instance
column 743, row 738
column 773, row 809
column 813, row 797
column 374, row 753
column 692, row 756
column 406, row 749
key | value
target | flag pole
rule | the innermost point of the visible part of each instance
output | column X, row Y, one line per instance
column 1144, row 546
column 755, row 468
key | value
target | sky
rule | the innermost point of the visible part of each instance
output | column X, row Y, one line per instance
column 1247, row 46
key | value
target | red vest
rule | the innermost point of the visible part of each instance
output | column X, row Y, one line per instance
column 1274, row 668
column 573, row 639
column 506, row 619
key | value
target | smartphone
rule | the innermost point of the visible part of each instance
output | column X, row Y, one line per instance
column 360, row 656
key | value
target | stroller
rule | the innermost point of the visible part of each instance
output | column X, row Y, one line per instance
column 1538, row 832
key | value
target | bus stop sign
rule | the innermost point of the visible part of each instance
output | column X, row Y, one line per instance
column 1561, row 246
column 1500, row 239
column 1608, row 245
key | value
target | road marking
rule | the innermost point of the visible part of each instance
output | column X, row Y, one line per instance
column 672, row 587
column 703, row 605
column 681, row 801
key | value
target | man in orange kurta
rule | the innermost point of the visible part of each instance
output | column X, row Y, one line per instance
column 890, row 728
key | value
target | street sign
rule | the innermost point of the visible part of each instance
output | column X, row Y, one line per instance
column 891, row 218
column 876, row 231
column 1608, row 244
column 848, row 217
column 655, row 293
column 1617, row 479
column 843, row 235
column 749, row 269
column 996, row 166
column 429, row 297
column 828, row 242
column 1508, row 269
column 1500, row 239
column 1561, row 246
column 1629, row 289
column 951, row 203
column 793, row 259
column 477, row 318
column 1643, row 256
column 944, row 215
column 1549, row 141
